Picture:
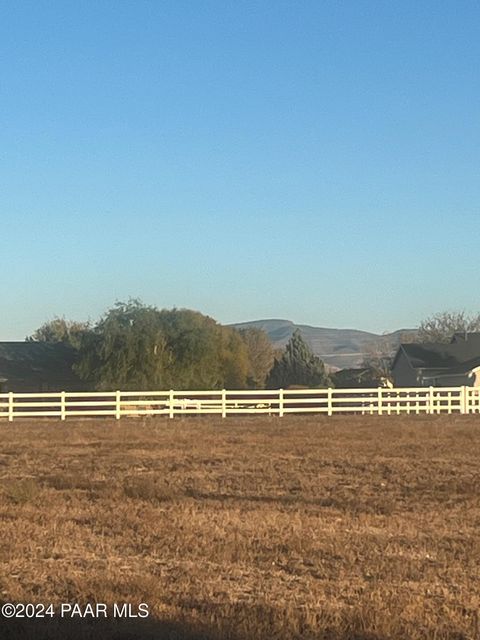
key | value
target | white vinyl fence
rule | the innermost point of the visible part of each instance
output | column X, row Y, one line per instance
column 415, row 400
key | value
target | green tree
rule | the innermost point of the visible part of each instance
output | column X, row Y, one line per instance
column 194, row 340
column 140, row 347
column 127, row 349
column 261, row 356
column 234, row 359
column 297, row 366
column 60, row 330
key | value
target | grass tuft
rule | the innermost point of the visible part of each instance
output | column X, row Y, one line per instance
column 21, row 491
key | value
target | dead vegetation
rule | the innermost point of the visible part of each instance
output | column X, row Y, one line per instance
column 360, row 528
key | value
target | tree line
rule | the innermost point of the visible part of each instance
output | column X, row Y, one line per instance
column 135, row 346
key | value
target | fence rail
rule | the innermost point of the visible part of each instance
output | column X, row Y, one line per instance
column 280, row 402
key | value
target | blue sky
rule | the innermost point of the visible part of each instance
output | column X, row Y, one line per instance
column 316, row 161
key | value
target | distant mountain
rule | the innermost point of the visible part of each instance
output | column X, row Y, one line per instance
column 338, row 348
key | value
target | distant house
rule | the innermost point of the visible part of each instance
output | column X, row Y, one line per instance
column 436, row 364
column 38, row 367
column 362, row 378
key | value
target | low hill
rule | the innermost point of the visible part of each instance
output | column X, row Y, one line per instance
column 338, row 348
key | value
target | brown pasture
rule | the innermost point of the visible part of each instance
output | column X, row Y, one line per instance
column 342, row 528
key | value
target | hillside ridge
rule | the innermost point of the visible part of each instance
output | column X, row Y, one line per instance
column 338, row 348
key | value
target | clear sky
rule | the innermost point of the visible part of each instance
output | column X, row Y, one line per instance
column 315, row 161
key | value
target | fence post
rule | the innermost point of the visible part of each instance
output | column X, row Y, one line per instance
column 380, row 409
column 329, row 401
column 10, row 406
column 62, row 406
column 280, row 403
column 430, row 400
column 171, row 412
column 463, row 400
column 117, row 405
column 224, row 403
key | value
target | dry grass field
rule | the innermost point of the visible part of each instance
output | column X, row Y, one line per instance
column 343, row 528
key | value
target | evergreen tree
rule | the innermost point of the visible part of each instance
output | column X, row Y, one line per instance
column 297, row 366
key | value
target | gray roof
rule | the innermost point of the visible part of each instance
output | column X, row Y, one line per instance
column 36, row 365
column 459, row 356
column 361, row 378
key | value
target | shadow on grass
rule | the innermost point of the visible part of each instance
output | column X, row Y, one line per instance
column 234, row 622
column 382, row 505
column 97, row 629
column 284, row 499
column 57, row 628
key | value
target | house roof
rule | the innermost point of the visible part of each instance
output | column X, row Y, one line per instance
column 458, row 356
column 36, row 364
column 361, row 377
column 462, row 336
column 462, row 368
